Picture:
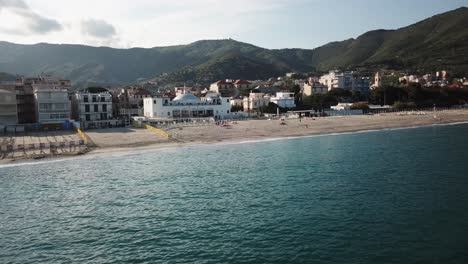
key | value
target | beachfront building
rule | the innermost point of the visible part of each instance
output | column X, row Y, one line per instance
column 186, row 106
column 342, row 106
column 255, row 100
column 8, row 106
column 26, row 96
column 284, row 100
column 223, row 87
column 93, row 110
column 52, row 104
column 128, row 102
column 311, row 88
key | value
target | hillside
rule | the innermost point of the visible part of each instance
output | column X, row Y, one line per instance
column 439, row 42
column 6, row 77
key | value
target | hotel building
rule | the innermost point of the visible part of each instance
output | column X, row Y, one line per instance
column 187, row 106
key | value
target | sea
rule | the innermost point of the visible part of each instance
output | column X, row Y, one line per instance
column 389, row 196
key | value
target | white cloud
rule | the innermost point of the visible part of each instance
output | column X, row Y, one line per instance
column 97, row 28
column 27, row 21
column 147, row 23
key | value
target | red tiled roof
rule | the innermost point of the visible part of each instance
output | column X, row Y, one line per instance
column 242, row 82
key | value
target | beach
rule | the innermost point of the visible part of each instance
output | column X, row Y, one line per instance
column 103, row 141
column 239, row 131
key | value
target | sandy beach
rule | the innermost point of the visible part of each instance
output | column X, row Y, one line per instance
column 134, row 139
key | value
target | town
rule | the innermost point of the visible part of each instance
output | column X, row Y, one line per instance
column 45, row 115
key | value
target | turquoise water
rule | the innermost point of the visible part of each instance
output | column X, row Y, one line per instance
column 396, row 196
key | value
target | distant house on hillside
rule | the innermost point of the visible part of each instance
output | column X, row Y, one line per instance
column 223, row 87
column 242, row 84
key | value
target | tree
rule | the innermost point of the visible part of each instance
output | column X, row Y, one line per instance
column 360, row 106
column 271, row 108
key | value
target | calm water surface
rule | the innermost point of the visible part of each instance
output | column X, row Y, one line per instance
column 381, row 197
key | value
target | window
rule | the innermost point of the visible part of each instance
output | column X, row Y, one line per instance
column 104, row 108
column 154, row 101
column 228, row 111
column 227, row 100
column 87, row 108
column 45, row 107
column 168, row 113
column 96, row 108
column 85, row 98
column 88, row 117
column 94, row 99
column 103, row 99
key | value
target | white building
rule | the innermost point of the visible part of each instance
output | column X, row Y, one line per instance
column 93, row 110
column 377, row 80
column 342, row 106
column 187, row 106
column 284, row 100
column 8, row 105
column 52, row 104
column 255, row 101
column 345, row 80
column 336, row 79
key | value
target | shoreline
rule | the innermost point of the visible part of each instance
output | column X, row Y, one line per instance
column 238, row 141
column 163, row 146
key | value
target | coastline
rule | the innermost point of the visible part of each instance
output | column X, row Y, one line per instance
column 192, row 137
column 237, row 141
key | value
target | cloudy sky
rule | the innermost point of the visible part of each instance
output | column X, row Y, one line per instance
column 149, row 23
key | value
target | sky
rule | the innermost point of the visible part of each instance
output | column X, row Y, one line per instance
column 150, row 23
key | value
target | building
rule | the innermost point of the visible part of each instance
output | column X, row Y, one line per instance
column 311, row 88
column 197, row 91
column 8, row 106
column 237, row 101
column 225, row 88
column 26, row 104
column 186, row 106
column 128, row 102
column 27, row 91
column 345, row 80
column 342, row 106
column 377, row 80
column 93, row 110
column 255, row 101
column 242, row 84
column 336, row 79
column 284, row 100
column 361, row 84
column 52, row 104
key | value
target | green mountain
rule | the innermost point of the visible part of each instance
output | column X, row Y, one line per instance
column 435, row 43
column 439, row 42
